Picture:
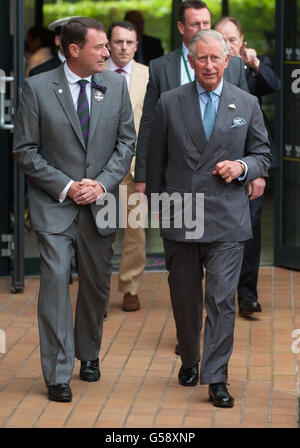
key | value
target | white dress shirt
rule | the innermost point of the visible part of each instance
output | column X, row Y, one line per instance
column 203, row 99
column 61, row 57
column 126, row 70
column 184, row 79
column 72, row 80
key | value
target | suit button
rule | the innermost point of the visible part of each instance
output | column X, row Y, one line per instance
column 88, row 165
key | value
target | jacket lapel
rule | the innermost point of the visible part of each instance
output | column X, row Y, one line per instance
column 134, row 85
column 225, row 114
column 191, row 114
column 96, row 106
column 172, row 69
column 63, row 94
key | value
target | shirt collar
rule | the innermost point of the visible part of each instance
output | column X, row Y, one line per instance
column 217, row 91
column 127, row 69
column 61, row 56
column 185, row 51
column 72, row 78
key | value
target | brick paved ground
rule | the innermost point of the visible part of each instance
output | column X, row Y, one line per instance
column 139, row 386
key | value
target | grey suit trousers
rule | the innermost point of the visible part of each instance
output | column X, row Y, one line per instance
column 59, row 344
column 185, row 262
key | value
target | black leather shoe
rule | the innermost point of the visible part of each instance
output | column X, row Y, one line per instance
column 89, row 370
column 60, row 392
column 188, row 377
column 220, row 396
column 248, row 305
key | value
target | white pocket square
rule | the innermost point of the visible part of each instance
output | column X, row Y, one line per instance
column 237, row 122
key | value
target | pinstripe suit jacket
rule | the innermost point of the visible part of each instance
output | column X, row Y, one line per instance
column 49, row 146
column 164, row 75
column 181, row 159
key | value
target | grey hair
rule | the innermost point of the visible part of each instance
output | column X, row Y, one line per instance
column 205, row 35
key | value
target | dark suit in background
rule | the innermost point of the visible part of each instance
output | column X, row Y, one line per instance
column 262, row 83
column 58, row 58
column 148, row 48
column 46, row 66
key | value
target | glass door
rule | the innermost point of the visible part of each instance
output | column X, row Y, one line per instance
column 12, row 247
column 287, row 241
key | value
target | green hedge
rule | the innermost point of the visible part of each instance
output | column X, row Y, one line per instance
column 157, row 14
column 257, row 17
column 258, row 22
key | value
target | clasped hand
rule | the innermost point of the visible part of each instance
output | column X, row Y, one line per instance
column 85, row 192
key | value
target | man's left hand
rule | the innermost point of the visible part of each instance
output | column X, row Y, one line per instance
column 256, row 188
column 89, row 192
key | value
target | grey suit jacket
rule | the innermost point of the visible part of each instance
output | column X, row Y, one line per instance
column 49, row 146
column 164, row 75
column 182, row 160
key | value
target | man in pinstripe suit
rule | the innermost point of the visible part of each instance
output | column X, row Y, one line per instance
column 209, row 138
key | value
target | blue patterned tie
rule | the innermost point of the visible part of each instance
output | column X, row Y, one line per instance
column 209, row 117
column 83, row 110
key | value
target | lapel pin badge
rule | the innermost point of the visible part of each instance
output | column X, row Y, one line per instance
column 99, row 95
column 100, row 91
column 232, row 106
column 60, row 90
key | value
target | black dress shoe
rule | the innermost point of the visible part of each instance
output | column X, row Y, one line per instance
column 60, row 392
column 188, row 377
column 177, row 351
column 248, row 305
column 89, row 370
column 220, row 396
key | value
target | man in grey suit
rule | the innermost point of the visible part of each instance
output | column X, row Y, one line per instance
column 171, row 71
column 208, row 141
column 74, row 139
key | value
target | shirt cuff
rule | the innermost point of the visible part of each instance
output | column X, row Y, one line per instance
column 244, row 175
column 102, row 195
column 64, row 193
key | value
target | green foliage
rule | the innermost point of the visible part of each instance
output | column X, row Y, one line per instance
column 157, row 14
column 258, row 22
column 256, row 16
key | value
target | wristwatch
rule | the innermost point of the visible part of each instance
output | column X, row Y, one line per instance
column 242, row 166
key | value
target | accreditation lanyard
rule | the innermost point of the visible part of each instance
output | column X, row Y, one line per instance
column 186, row 66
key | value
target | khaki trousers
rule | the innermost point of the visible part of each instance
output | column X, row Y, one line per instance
column 133, row 258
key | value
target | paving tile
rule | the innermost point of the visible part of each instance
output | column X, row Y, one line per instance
column 139, row 385
column 194, row 422
column 286, row 419
column 284, row 425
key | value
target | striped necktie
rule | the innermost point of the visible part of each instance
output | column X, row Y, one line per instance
column 209, row 117
column 83, row 110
